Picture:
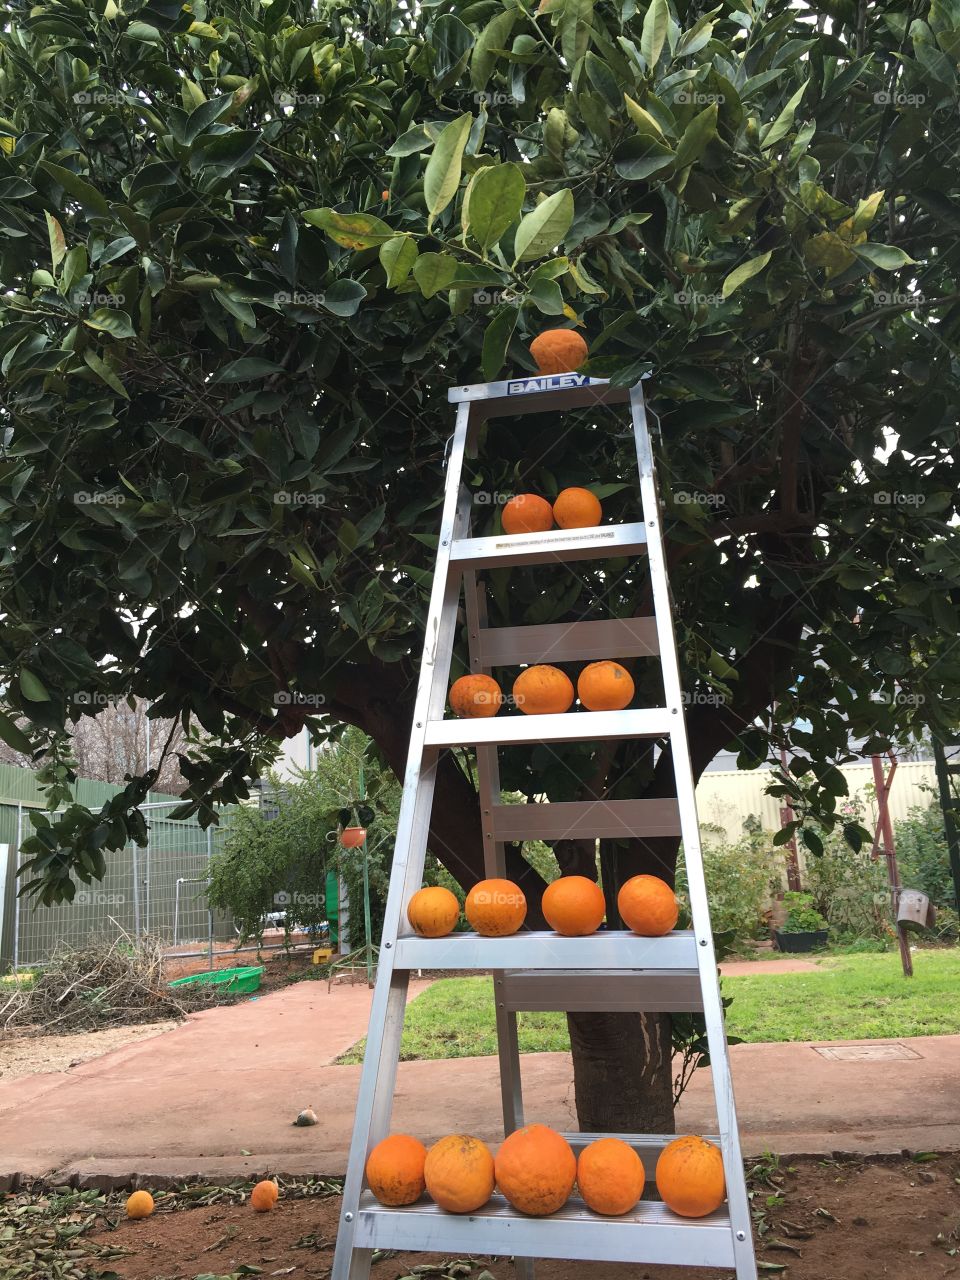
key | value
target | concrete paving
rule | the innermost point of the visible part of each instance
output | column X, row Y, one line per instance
column 217, row 1096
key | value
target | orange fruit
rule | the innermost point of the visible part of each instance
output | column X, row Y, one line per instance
column 648, row 906
column 475, row 697
column 433, row 912
column 495, row 908
column 605, row 686
column 577, row 509
column 395, row 1169
column 610, row 1176
column 459, row 1173
column 264, row 1196
column 139, row 1205
column 690, row 1177
column 543, row 690
column 527, row 513
column 558, row 351
column 536, row 1170
column 573, row 906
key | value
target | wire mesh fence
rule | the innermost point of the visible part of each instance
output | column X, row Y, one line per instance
column 159, row 889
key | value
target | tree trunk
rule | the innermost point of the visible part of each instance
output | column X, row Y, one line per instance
column 622, row 1072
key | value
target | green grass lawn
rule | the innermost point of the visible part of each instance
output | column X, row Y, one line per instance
column 849, row 997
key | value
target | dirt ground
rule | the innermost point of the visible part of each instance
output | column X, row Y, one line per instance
column 24, row 1055
column 815, row 1220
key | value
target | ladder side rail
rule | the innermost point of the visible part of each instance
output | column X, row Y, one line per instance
column 378, row 1074
column 495, row 864
column 738, row 1202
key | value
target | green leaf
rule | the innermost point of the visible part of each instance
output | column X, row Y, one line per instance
column 343, row 297
column 433, row 272
column 637, row 158
column 576, row 23
column 104, row 372
column 442, row 175
column 496, row 339
column 866, row 211
column 14, row 737
column 885, row 256
column 245, row 369
column 493, row 202
column 397, row 257
column 746, row 271
column 547, row 297
column 111, row 320
column 350, row 230
column 86, row 195
column 642, row 118
column 415, row 139
column 58, row 245
column 545, row 227
column 492, row 38
column 203, row 116
column 32, row 687
column 655, row 23
column 698, row 133
column 784, row 121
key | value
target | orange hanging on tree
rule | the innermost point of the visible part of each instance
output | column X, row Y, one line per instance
column 610, row 1176
column 495, row 908
column 475, row 697
column 690, row 1177
column 543, row 690
column 605, row 686
column 558, row 351
column 648, row 906
column 536, row 1170
column 433, row 912
column 395, row 1169
column 527, row 513
column 573, row 906
column 577, row 509
column 459, row 1173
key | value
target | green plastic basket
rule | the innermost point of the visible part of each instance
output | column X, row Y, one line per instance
column 238, row 980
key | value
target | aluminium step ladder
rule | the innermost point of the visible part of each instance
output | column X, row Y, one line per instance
column 607, row 971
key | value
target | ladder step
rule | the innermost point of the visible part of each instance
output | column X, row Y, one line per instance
column 608, row 949
column 558, row 546
column 610, row 991
column 574, row 1232
column 567, row 642
column 584, row 819
column 572, row 726
column 554, row 393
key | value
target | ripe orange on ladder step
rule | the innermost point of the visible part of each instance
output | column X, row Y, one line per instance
column 395, row 1169
column 536, row 1170
column 459, row 1173
column 605, row 686
column 475, row 697
column 577, row 509
column 543, row 690
column 495, row 908
column 433, row 912
column 610, row 1176
column 573, row 906
column 527, row 513
column 690, row 1177
column 648, row 906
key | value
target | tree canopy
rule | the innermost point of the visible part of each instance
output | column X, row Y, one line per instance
column 247, row 247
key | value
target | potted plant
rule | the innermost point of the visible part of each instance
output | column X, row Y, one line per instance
column 804, row 928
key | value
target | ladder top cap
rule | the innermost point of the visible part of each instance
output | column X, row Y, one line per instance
column 536, row 384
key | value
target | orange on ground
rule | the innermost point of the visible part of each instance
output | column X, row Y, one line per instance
column 605, row 686
column 558, row 351
column 475, row 697
column 536, row 1170
column 395, row 1169
column 577, row 509
column 527, row 513
column 459, row 1173
column 690, row 1177
column 139, row 1205
column 648, row 906
column 610, row 1176
column 495, row 908
column 264, row 1196
column 543, row 690
column 573, row 906
column 433, row 912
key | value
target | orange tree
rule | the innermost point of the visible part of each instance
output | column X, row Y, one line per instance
column 248, row 245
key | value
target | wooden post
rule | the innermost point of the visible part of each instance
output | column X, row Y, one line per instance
column 883, row 838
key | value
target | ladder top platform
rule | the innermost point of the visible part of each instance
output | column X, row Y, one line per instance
column 539, row 393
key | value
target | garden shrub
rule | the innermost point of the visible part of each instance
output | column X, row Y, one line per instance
column 739, row 879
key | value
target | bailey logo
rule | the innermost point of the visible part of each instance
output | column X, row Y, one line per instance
column 554, row 382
